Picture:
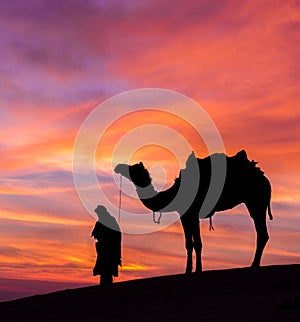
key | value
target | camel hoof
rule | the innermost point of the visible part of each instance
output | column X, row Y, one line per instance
column 188, row 271
column 255, row 266
column 198, row 267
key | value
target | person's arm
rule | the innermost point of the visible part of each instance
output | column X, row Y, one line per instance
column 96, row 231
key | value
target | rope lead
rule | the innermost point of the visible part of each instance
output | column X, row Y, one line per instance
column 120, row 199
column 158, row 219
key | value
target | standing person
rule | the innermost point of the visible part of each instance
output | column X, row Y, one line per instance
column 108, row 246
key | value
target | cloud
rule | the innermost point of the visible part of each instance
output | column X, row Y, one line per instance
column 60, row 59
column 16, row 288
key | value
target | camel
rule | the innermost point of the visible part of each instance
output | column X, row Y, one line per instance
column 244, row 183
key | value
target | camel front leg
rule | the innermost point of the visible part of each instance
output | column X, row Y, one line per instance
column 198, row 262
column 189, row 262
column 189, row 250
column 191, row 229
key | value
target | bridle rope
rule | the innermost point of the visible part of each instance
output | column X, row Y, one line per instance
column 158, row 219
column 120, row 198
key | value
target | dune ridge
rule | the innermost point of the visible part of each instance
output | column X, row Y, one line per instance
column 269, row 293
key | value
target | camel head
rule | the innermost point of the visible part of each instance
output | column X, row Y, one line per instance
column 136, row 173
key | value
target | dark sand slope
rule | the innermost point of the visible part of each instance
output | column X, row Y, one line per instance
column 271, row 293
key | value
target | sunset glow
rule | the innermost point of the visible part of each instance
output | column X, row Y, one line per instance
column 61, row 59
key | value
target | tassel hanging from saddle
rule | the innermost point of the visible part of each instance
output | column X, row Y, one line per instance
column 211, row 227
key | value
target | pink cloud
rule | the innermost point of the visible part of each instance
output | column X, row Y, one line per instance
column 239, row 60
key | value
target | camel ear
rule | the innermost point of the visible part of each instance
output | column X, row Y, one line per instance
column 141, row 163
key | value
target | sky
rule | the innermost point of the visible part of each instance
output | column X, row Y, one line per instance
column 59, row 60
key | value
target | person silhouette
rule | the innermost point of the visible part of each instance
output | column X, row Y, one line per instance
column 108, row 246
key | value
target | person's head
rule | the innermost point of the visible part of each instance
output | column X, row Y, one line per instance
column 101, row 211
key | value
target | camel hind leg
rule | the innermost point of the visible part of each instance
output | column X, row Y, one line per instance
column 258, row 215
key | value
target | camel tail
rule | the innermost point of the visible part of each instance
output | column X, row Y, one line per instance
column 269, row 212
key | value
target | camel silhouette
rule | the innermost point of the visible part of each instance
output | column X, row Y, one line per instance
column 244, row 183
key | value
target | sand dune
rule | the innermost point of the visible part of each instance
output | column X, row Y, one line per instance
column 271, row 293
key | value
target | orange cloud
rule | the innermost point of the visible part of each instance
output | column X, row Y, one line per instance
column 238, row 60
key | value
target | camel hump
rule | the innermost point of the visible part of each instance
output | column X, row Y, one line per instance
column 239, row 159
column 191, row 160
column 242, row 155
column 241, row 162
column 238, row 163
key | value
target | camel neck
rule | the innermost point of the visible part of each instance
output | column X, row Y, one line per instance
column 158, row 201
column 146, row 192
column 149, row 197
